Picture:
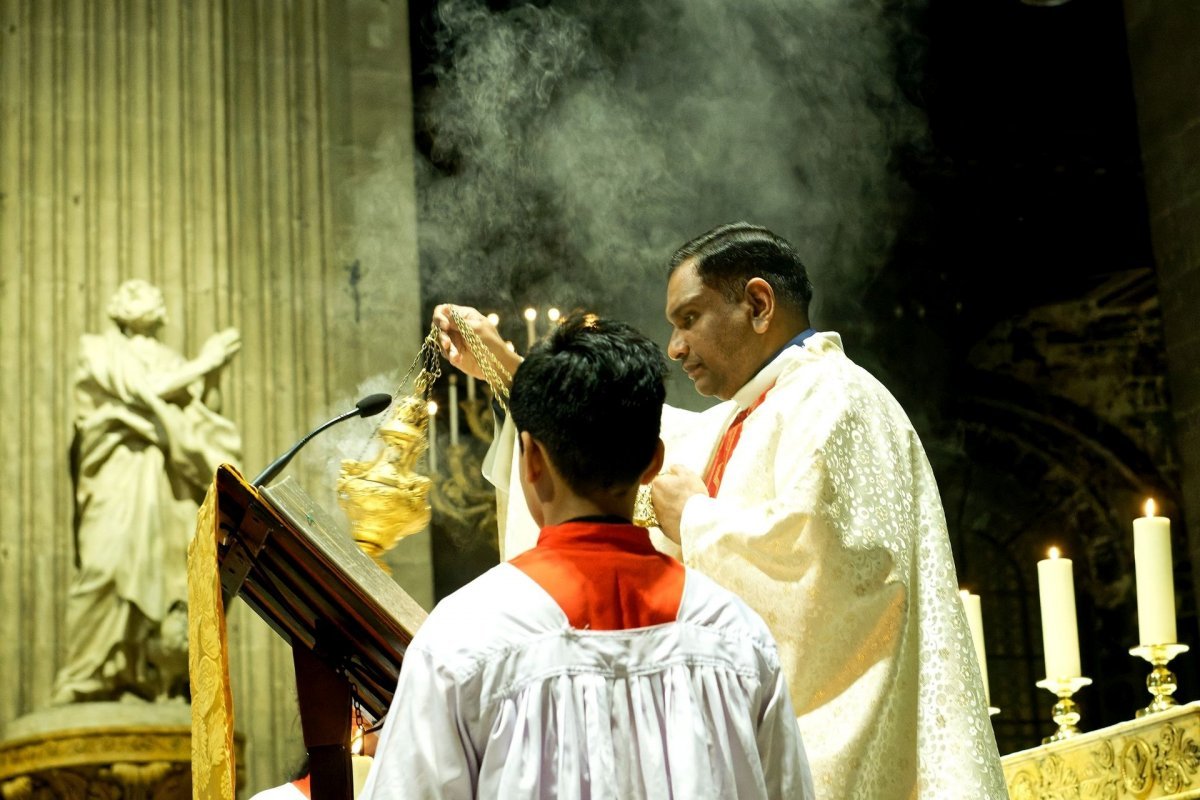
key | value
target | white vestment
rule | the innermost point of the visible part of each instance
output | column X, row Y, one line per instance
column 499, row 697
column 829, row 524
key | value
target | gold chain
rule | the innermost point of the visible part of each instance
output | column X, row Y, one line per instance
column 494, row 372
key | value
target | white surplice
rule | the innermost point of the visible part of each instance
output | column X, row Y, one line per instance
column 500, row 698
column 829, row 524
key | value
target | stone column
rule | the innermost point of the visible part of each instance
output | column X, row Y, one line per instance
column 1164, row 52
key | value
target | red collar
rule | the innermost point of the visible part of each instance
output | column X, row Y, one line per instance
column 588, row 535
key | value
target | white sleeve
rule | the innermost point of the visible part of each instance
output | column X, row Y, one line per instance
column 785, row 765
column 425, row 749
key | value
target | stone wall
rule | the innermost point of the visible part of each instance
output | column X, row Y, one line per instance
column 253, row 159
column 1164, row 52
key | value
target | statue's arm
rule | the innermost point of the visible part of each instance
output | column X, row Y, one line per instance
column 214, row 356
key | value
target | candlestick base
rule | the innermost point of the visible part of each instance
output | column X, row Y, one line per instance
column 1161, row 681
column 1065, row 712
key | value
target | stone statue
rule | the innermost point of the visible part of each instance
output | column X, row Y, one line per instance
column 148, row 438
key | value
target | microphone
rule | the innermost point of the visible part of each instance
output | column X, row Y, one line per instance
column 369, row 406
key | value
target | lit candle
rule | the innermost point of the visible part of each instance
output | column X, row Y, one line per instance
column 433, row 409
column 1060, row 633
column 975, row 623
column 531, row 324
column 453, row 410
column 494, row 318
column 1155, row 580
column 553, row 314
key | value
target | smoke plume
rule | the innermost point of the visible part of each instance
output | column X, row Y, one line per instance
column 575, row 146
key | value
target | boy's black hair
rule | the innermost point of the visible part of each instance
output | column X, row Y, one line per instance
column 592, row 393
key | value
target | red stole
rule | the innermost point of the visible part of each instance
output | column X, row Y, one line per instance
column 605, row 576
column 302, row 786
column 716, row 472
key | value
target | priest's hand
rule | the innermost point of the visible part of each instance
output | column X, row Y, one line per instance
column 669, row 493
column 454, row 345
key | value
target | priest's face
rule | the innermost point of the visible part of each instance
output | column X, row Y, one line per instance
column 711, row 335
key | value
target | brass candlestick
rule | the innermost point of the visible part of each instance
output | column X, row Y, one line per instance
column 1065, row 713
column 1161, row 681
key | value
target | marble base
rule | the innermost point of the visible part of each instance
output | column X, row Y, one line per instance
column 105, row 751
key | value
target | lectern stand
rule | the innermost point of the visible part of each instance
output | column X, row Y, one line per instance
column 347, row 622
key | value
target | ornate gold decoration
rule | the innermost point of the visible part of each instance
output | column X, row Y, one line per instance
column 1152, row 757
column 643, row 509
column 213, row 760
column 1161, row 681
column 384, row 497
column 121, row 762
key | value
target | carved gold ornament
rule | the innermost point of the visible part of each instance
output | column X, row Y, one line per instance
column 1150, row 758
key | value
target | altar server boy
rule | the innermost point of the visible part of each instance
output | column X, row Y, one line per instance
column 591, row 666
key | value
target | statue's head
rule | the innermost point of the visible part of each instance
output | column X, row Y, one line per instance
column 138, row 307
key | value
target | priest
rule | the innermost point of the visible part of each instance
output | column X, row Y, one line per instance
column 808, row 493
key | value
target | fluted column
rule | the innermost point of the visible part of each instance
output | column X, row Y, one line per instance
column 218, row 148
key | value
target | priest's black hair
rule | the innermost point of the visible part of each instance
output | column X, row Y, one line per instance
column 592, row 394
column 727, row 257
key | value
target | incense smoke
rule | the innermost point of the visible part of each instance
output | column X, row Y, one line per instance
column 575, row 146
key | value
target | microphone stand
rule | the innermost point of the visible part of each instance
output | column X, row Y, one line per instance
column 367, row 407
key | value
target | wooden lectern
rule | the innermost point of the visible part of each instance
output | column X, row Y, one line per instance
column 348, row 623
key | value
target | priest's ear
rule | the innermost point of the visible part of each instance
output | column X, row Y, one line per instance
column 656, row 464
column 760, row 298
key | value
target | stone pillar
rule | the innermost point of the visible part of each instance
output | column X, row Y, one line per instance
column 1164, row 52
column 253, row 159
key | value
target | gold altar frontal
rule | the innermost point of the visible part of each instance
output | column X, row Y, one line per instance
column 1156, row 756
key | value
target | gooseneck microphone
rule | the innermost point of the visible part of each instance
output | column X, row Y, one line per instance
column 369, row 406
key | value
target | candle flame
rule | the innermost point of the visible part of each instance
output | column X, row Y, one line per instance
column 494, row 318
column 1150, row 507
column 531, row 314
column 553, row 314
column 1053, row 552
column 432, row 407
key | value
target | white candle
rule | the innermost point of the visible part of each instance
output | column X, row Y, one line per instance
column 1060, row 632
column 531, row 324
column 975, row 622
column 553, row 314
column 1155, row 578
column 471, row 388
column 433, row 409
column 453, row 410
